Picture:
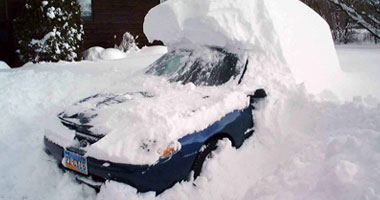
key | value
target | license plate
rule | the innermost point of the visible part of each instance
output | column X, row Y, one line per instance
column 75, row 162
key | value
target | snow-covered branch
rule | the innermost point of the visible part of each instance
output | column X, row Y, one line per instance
column 367, row 21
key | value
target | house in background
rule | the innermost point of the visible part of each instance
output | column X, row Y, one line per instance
column 105, row 22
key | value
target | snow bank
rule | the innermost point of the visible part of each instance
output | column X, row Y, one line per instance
column 4, row 65
column 256, row 25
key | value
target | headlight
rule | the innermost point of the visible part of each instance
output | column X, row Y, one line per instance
column 171, row 149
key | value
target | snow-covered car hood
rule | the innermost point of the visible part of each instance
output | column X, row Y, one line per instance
column 140, row 127
column 81, row 115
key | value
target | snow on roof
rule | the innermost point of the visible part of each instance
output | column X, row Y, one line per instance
column 287, row 29
column 239, row 23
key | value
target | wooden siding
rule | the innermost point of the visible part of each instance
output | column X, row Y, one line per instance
column 112, row 18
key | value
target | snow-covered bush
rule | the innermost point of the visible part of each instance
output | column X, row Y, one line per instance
column 353, row 35
column 128, row 43
column 49, row 31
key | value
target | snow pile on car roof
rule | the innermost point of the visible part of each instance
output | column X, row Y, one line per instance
column 224, row 23
column 287, row 29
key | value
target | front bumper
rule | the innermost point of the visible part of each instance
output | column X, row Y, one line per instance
column 144, row 178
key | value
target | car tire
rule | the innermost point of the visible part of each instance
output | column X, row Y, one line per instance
column 205, row 152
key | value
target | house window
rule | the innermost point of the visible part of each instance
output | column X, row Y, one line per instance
column 86, row 8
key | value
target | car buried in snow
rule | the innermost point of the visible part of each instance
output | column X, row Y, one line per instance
column 208, row 68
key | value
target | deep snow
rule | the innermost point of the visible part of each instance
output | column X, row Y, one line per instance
column 304, row 147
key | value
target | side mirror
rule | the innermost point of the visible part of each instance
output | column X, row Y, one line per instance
column 259, row 94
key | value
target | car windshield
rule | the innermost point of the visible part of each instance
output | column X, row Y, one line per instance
column 206, row 66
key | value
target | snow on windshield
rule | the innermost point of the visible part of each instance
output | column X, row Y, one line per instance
column 202, row 66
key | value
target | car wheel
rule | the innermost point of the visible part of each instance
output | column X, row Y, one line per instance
column 205, row 152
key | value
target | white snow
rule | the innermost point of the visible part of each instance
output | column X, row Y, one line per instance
column 307, row 44
column 111, row 54
column 305, row 146
column 44, row 3
column 360, row 64
column 4, row 65
column 51, row 12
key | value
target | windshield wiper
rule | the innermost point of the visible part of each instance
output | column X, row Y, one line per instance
column 242, row 75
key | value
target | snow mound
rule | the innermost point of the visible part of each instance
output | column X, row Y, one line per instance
column 99, row 53
column 4, row 65
column 288, row 29
column 93, row 53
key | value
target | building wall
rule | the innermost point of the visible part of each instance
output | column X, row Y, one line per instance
column 8, row 11
column 109, row 21
column 112, row 18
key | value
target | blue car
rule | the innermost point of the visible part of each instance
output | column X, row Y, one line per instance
column 176, row 163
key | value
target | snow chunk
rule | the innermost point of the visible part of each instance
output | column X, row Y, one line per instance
column 4, row 65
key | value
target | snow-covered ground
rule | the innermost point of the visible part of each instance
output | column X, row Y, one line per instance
column 361, row 64
column 314, row 140
column 305, row 147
